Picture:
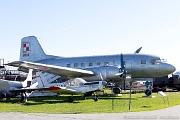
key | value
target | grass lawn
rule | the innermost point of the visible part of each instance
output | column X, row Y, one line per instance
column 106, row 104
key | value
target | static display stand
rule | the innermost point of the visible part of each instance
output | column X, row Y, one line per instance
column 128, row 77
column 164, row 95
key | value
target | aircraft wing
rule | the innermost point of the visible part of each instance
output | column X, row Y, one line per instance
column 64, row 72
column 61, row 90
column 26, row 89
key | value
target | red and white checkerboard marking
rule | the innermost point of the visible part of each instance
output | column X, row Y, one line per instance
column 26, row 47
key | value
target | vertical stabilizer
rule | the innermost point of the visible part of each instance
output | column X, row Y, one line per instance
column 31, row 50
column 28, row 80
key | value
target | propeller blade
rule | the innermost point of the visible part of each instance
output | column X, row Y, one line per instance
column 123, row 70
column 122, row 62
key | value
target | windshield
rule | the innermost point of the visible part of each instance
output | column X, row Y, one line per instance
column 158, row 60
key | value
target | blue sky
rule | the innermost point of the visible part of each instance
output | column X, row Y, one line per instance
column 92, row 27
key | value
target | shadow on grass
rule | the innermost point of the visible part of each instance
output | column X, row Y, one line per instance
column 60, row 99
column 145, row 106
column 47, row 102
column 115, row 98
column 12, row 101
column 42, row 100
column 171, row 91
column 51, row 100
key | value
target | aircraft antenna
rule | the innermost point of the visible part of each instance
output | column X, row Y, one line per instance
column 138, row 50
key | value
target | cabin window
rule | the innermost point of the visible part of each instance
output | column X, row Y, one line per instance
column 106, row 63
column 75, row 64
column 59, row 80
column 68, row 65
column 82, row 64
column 98, row 63
column 90, row 64
column 143, row 61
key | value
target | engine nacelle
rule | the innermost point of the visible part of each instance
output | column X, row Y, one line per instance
column 111, row 72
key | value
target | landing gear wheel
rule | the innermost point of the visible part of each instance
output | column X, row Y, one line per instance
column 116, row 90
column 70, row 99
column 148, row 92
column 23, row 98
column 83, row 97
column 95, row 99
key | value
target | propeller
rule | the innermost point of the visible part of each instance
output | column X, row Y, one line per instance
column 123, row 70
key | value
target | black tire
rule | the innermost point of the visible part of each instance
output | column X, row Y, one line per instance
column 116, row 90
column 83, row 98
column 23, row 98
column 95, row 99
column 148, row 92
column 70, row 99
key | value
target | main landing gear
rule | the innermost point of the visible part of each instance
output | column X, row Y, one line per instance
column 148, row 92
column 149, row 86
column 23, row 97
column 116, row 90
column 95, row 98
column 71, row 99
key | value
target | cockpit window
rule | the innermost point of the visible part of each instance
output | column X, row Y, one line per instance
column 153, row 61
column 157, row 61
column 163, row 60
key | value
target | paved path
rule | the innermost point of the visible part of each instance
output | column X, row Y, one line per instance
column 172, row 113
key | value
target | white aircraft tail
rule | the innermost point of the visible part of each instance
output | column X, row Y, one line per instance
column 31, row 50
column 28, row 80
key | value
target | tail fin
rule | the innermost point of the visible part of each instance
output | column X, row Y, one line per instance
column 31, row 50
column 28, row 80
column 42, row 82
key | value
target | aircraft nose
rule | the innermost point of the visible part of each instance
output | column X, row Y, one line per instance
column 170, row 68
column 167, row 69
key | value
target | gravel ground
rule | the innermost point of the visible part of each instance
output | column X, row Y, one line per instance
column 171, row 113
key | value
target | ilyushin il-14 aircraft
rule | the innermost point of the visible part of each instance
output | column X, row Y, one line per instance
column 92, row 68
